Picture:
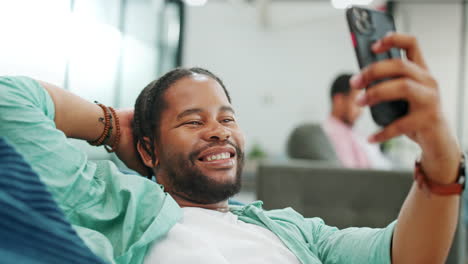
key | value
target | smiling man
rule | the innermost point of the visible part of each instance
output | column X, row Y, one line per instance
column 185, row 132
column 189, row 136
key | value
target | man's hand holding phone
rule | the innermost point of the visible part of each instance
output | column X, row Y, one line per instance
column 410, row 80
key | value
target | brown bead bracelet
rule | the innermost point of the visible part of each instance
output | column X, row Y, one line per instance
column 107, row 121
column 115, row 143
column 109, row 113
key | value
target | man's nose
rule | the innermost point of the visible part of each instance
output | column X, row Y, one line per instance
column 217, row 132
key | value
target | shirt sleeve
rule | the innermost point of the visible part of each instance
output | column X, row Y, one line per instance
column 118, row 216
column 27, row 121
column 354, row 245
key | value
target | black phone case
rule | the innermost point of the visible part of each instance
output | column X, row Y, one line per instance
column 366, row 27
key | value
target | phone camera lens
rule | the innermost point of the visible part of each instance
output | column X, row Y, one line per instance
column 356, row 13
column 365, row 15
column 362, row 21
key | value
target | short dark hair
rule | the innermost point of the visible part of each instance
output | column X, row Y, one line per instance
column 340, row 85
column 150, row 104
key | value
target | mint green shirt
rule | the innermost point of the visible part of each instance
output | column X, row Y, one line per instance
column 119, row 216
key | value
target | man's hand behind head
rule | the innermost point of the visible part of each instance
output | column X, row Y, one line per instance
column 126, row 150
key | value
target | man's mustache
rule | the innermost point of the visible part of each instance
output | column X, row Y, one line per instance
column 239, row 153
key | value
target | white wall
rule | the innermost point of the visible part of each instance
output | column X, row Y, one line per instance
column 32, row 41
column 39, row 38
column 279, row 76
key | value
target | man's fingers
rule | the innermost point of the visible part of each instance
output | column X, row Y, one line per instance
column 402, row 41
column 390, row 69
column 396, row 89
column 404, row 125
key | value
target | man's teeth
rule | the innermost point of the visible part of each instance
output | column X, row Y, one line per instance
column 224, row 155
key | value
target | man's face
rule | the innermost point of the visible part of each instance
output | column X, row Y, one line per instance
column 200, row 146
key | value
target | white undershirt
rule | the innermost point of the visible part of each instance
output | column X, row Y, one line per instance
column 212, row 237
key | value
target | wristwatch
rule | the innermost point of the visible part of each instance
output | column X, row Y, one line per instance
column 441, row 189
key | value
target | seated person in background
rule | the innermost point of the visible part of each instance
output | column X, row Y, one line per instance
column 185, row 131
column 352, row 149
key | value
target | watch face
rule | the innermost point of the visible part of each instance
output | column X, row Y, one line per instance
column 462, row 171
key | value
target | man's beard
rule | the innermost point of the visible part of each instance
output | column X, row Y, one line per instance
column 188, row 182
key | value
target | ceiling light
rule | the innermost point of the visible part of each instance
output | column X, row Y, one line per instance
column 196, row 2
column 347, row 3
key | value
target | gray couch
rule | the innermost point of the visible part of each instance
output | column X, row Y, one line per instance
column 342, row 197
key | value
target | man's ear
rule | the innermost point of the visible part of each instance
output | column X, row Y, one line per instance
column 145, row 156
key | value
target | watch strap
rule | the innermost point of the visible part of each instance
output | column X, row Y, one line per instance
column 441, row 189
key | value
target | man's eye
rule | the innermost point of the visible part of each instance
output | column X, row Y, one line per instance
column 194, row 123
column 228, row 120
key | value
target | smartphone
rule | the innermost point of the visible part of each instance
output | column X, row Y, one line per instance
column 366, row 27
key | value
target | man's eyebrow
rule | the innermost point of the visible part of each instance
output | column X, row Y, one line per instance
column 189, row 112
column 226, row 108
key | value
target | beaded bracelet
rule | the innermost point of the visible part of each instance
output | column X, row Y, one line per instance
column 115, row 143
column 106, row 135
column 107, row 121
